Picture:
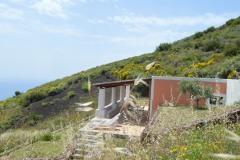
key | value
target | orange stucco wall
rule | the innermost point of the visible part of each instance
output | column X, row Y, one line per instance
column 168, row 90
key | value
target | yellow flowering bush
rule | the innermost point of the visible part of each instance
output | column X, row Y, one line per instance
column 231, row 74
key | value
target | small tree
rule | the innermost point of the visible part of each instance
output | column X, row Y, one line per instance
column 17, row 93
column 196, row 90
column 164, row 47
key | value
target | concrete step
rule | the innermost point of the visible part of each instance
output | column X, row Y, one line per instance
column 77, row 156
column 81, row 157
column 88, row 140
column 82, row 150
column 92, row 145
column 89, row 135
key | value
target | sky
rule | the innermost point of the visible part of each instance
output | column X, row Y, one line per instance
column 43, row 40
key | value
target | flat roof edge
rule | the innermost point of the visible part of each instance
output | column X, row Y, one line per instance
column 119, row 83
column 191, row 79
column 148, row 80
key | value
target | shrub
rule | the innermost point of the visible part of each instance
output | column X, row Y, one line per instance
column 236, row 21
column 164, row 47
column 229, row 22
column 36, row 96
column 232, row 51
column 196, row 90
column 70, row 82
column 44, row 104
column 198, row 45
column 17, row 93
column 76, row 80
column 55, row 91
column 47, row 137
column 32, row 96
column 142, row 89
column 197, row 35
column 237, row 43
column 233, row 22
column 71, row 94
column 212, row 45
column 232, row 74
column 33, row 118
column 85, row 87
column 4, row 125
column 210, row 29
column 13, row 119
column 52, row 103
column 24, row 102
column 2, row 149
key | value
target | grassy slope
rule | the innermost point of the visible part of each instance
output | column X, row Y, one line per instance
column 202, row 55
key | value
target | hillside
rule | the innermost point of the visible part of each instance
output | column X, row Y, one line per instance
column 215, row 51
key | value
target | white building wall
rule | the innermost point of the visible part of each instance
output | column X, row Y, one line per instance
column 233, row 92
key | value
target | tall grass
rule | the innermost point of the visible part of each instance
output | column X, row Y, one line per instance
column 170, row 142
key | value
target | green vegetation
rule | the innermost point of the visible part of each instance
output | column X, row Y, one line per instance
column 17, row 93
column 44, row 104
column 171, row 142
column 70, row 94
column 198, row 35
column 215, row 51
column 164, row 47
column 55, row 90
column 196, row 90
column 204, row 54
column 31, row 97
column 48, row 138
column 32, row 118
column 85, row 87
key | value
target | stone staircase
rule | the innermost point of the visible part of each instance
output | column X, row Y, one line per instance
column 89, row 144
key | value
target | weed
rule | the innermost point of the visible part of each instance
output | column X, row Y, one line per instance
column 71, row 94
column 44, row 104
column 85, row 87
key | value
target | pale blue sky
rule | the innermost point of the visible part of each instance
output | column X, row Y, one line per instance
column 42, row 40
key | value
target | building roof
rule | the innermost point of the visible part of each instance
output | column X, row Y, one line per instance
column 119, row 83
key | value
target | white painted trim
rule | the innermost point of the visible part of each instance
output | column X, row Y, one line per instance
column 127, row 92
column 109, row 106
column 121, row 94
column 191, row 79
column 151, row 98
column 114, row 95
column 101, row 98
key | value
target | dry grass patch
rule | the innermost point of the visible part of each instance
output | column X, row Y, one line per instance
column 40, row 149
column 169, row 118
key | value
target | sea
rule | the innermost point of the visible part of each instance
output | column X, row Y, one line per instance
column 8, row 87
